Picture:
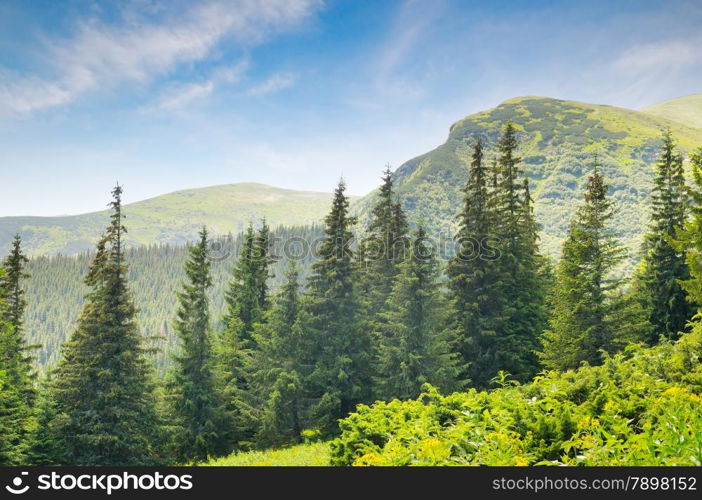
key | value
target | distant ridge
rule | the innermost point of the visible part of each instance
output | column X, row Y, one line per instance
column 686, row 110
column 171, row 218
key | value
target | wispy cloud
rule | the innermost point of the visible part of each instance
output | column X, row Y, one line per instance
column 653, row 71
column 181, row 95
column 100, row 55
column 412, row 22
column 665, row 55
column 274, row 83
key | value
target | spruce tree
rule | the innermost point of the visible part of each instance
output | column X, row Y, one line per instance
column 277, row 368
column 12, row 291
column 196, row 404
column 384, row 247
column 103, row 385
column 17, row 360
column 264, row 260
column 247, row 302
column 414, row 343
column 497, row 280
column 520, row 270
column 476, row 306
column 247, row 296
column 580, row 323
column 339, row 348
column 665, row 266
column 243, row 298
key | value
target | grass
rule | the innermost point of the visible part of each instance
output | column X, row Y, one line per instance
column 306, row 455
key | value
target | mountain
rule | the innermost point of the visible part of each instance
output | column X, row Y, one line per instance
column 686, row 110
column 172, row 218
column 559, row 143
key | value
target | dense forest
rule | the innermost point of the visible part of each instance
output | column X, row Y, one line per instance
column 55, row 289
column 468, row 356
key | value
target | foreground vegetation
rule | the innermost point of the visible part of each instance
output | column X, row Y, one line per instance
column 639, row 408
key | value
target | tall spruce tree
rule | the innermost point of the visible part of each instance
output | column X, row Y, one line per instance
column 103, row 384
column 580, row 324
column 247, row 296
column 196, row 405
column 276, row 367
column 520, row 268
column 12, row 291
column 339, row 348
column 415, row 347
column 497, row 278
column 243, row 297
column 247, row 302
column 264, row 260
column 384, row 247
column 665, row 266
column 476, row 306
column 17, row 358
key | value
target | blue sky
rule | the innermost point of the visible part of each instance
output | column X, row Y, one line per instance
column 172, row 94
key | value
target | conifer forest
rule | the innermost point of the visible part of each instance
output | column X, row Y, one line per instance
column 527, row 293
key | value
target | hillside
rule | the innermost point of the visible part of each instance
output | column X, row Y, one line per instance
column 172, row 218
column 559, row 142
column 686, row 110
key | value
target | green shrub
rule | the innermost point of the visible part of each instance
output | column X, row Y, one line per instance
column 641, row 407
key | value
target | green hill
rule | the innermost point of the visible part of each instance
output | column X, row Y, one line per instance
column 686, row 110
column 560, row 140
column 173, row 218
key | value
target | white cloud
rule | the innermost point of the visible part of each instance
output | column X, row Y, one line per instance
column 26, row 94
column 274, row 83
column 98, row 55
column 181, row 95
column 652, row 72
column 660, row 56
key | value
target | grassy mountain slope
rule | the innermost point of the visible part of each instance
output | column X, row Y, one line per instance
column 559, row 140
column 172, row 218
column 686, row 110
